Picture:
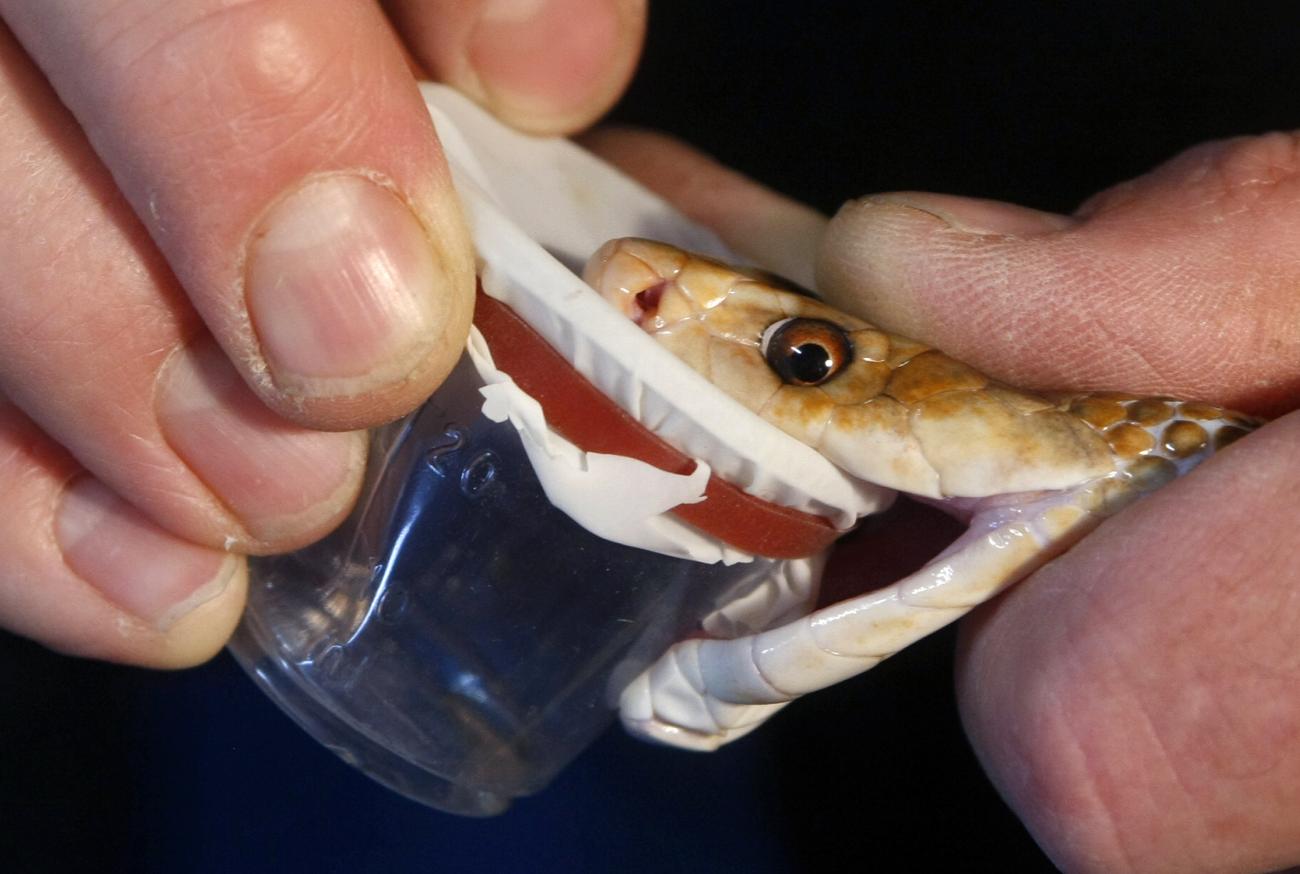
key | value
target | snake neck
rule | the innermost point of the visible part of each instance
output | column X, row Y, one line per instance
column 1155, row 439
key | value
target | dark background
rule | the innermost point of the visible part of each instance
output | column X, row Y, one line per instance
column 104, row 768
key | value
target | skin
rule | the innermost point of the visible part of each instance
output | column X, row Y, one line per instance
column 230, row 244
column 1137, row 701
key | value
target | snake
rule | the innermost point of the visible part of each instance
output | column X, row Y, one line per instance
column 1031, row 472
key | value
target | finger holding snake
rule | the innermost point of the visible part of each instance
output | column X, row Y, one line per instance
column 1147, row 682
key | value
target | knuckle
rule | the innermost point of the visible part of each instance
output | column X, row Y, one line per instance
column 1215, row 179
column 1252, row 161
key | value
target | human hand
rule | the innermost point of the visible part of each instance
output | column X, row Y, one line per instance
column 1138, row 700
column 230, row 242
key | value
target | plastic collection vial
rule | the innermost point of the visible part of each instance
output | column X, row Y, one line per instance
column 459, row 638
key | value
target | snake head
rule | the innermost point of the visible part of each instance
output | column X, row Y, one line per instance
column 768, row 343
column 886, row 409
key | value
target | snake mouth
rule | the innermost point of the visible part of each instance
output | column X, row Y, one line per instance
column 646, row 303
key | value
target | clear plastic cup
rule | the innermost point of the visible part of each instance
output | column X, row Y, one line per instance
column 458, row 638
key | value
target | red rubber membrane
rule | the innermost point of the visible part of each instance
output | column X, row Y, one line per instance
column 580, row 413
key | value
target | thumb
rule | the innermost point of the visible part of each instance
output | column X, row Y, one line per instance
column 1181, row 281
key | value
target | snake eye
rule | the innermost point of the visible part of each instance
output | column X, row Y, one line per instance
column 806, row 351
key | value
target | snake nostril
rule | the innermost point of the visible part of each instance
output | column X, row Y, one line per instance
column 647, row 302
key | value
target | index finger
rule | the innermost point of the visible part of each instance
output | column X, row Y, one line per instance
column 282, row 159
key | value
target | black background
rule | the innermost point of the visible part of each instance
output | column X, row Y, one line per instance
column 105, row 768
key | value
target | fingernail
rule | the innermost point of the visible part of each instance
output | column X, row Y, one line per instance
column 280, row 480
column 537, row 59
column 340, row 283
column 131, row 561
column 973, row 215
